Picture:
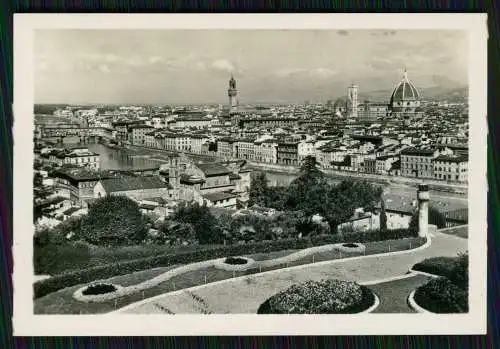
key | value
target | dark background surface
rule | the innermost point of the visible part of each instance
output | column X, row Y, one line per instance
column 6, row 175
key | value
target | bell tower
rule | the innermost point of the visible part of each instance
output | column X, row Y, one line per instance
column 232, row 93
column 352, row 95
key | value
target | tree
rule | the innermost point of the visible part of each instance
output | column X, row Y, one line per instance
column 204, row 223
column 435, row 217
column 113, row 220
column 383, row 218
column 258, row 193
column 309, row 167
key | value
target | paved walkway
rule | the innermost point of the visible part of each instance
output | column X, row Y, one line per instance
column 244, row 295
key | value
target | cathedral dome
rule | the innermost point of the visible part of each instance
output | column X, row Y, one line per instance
column 405, row 91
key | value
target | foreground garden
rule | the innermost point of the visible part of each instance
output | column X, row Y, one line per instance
column 126, row 256
column 448, row 292
column 63, row 301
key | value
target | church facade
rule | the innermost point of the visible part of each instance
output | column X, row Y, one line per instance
column 404, row 102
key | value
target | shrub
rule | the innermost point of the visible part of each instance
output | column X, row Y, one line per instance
column 52, row 259
column 442, row 266
column 58, row 282
column 99, row 289
column 435, row 217
column 113, row 220
column 460, row 273
column 235, row 260
column 320, row 297
column 442, row 296
column 204, row 223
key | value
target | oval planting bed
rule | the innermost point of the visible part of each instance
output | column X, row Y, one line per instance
column 321, row 297
column 351, row 247
column 234, row 263
column 94, row 291
column 440, row 296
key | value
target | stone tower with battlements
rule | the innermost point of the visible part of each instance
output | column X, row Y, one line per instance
column 232, row 93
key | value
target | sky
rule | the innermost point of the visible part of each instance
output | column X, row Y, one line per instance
column 194, row 66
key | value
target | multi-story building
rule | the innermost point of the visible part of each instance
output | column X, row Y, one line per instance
column 266, row 151
column 182, row 142
column 266, row 122
column 418, row 162
column 77, row 184
column 245, row 149
column 78, row 156
column 226, row 147
column 197, row 122
column 136, row 187
column 150, row 140
column 287, row 154
column 451, row 168
column 370, row 166
column 304, row 149
column 139, row 132
column 197, row 142
column 384, row 164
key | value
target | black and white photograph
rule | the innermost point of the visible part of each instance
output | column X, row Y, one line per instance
column 206, row 172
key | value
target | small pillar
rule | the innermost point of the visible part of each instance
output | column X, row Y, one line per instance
column 423, row 210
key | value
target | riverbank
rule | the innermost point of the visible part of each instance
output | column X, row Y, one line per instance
column 457, row 188
column 292, row 172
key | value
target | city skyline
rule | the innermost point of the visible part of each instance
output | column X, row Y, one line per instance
column 270, row 66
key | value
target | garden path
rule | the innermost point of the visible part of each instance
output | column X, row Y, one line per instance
column 244, row 295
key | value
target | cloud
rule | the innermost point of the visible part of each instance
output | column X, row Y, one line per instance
column 343, row 32
column 224, row 65
column 156, row 59
column 103, row 68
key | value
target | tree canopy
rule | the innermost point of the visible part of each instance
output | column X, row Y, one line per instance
column 204, row 223
column 113, row 220
column 259, row 191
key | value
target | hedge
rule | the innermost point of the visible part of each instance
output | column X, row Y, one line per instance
column 44, row 287
column 442, row 266
column 442, row 296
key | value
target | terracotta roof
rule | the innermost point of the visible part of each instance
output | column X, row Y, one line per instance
column 114, row 185
column 187, row 179
column 418, row 152
column 213, row 169
column 80, row 174
column 219, row 196
column 447, row 158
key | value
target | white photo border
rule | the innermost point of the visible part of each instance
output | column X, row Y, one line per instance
column 26, row 323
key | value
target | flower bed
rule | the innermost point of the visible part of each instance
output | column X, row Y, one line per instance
column 351, row 247
column 98, row 289
column 234, row 263
column 442, row 296
column 235, row 260
column 96, row 292
column 320, row 297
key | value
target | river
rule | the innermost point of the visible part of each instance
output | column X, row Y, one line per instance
column 126, row 159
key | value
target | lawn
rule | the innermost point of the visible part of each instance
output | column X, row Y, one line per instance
column 62, row 302
column 393, row 295
column 58, row 259
column 461, row 232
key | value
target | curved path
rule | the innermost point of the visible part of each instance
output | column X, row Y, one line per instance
column 245, row 294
